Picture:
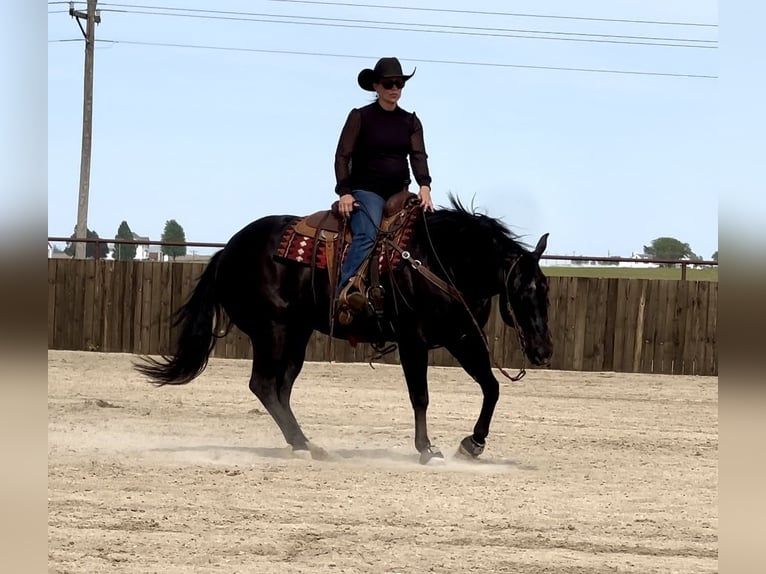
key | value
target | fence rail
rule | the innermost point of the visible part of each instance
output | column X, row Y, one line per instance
column 684, row 264
column 628, row 325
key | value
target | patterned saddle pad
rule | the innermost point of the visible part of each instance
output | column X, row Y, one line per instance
column 306, row 240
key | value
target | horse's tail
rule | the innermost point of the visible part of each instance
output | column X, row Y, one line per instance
column 196, row 319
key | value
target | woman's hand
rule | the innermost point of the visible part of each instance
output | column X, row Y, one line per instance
column 425, row 198
column 346, row 204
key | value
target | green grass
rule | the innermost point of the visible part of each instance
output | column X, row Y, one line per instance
column 609, row 272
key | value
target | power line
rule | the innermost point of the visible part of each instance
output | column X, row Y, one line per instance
column 310, row 21
column 219, row 14
column 486, row 13
column 417, row 60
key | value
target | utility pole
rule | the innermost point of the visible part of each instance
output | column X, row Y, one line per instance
column 92, row 18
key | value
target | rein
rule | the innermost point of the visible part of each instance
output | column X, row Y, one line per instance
column 451, row 290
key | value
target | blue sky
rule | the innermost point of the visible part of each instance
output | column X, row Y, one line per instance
column 214, row 139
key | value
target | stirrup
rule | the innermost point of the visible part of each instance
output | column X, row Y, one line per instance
column 356, row 300
column 350, row 304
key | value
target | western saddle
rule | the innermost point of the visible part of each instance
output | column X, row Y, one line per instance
column 329, row 227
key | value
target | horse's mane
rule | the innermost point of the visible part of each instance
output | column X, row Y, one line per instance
column 458, row 224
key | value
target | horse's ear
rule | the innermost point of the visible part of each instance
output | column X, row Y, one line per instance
column 541, row 245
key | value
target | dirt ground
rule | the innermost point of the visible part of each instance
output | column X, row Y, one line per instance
column 583, row 473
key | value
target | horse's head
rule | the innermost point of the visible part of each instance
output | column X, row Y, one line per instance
column 524, row 302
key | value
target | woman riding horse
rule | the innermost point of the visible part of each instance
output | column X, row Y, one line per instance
column 279, row 304
column 371, row 166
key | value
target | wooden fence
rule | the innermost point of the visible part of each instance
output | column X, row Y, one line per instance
column 627, row 325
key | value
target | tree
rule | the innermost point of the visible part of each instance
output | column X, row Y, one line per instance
column 669, row 248
column 124, row 251
column 90, row 248
column 714, row 256
column 173, row 232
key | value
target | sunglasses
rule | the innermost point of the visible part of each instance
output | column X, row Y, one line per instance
column 389, row 84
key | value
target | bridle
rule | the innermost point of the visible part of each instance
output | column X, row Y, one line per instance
column 509, row 310
column 451, row 290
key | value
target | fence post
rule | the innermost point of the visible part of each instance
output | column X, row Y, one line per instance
column 683, row 271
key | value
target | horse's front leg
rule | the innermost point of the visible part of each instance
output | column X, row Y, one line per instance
column 414, row 361
column 474, row 358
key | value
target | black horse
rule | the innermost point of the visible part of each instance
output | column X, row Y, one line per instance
column 279, row 304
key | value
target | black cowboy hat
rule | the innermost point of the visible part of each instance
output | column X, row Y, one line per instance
column 385, row 68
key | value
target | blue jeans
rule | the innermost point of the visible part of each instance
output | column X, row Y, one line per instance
column 365, row 220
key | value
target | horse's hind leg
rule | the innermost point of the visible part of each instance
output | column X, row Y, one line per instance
column 295, row 354
column 276, row 364
column 263, row 384
column 473, row 357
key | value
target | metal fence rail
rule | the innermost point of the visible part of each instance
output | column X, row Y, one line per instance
column 683, row 264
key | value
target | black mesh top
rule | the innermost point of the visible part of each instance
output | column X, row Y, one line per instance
column 373, row 149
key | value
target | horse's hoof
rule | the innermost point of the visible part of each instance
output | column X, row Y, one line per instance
column 302, row 454
column 469, row 448
column 431, row 453
column 318, row 453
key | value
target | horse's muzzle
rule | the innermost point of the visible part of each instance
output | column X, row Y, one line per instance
column 540, row 356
